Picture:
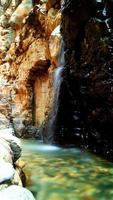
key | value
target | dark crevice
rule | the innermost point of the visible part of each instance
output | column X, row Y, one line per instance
column 85, row 110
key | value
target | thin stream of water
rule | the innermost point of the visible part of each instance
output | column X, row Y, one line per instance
column 57, row 80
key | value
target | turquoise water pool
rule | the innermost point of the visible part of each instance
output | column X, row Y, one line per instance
column 66, row 174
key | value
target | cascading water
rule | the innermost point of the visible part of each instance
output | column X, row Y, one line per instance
column 57, row 80
column 57, row 83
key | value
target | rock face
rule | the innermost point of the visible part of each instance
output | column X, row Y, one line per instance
column 85, row 113
column 27, row 59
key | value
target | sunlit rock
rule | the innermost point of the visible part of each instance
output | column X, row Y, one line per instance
column 20, row 13
column 13, row 142
column 6, row 171
column 3, row 21
column 16, row 179
column 6, row 153
column 52, row 20
column 26, row 64
column 16, row 192
column 7, row 36
column 4, row 122
column 54, row 45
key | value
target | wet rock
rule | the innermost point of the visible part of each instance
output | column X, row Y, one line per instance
column 20, row 176
column 87, row 85
column 16, row 150
column 19, row 124
column 32, row 132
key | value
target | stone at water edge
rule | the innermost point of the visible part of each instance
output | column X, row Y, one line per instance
column 6, row 153
column 19, row 177
column 13, row 141
column 6, row 171
column 15, row 192
column 7, row 134
column 16, row 179
column 16, row 151
column 7, row 130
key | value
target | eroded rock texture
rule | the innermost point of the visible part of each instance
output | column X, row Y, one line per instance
column 28, row 58
column 85, row 116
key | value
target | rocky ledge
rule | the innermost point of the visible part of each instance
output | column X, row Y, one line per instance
column 12, row 178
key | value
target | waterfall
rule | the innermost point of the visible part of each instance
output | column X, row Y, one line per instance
column 56, row 87
column 57, row 80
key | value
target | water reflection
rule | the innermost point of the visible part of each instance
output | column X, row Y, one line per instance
column 66, row 174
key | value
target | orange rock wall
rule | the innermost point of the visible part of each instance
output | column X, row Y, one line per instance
column 28, row 63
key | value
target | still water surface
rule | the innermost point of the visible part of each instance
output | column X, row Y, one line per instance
column 66, row 174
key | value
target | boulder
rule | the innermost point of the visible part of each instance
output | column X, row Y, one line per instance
column 15, row 192
column 6, row 171
column 14, row 143
column 6, row 153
